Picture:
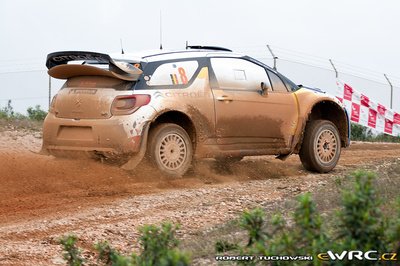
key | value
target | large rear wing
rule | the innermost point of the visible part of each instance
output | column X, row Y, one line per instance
column 58, row 66
column 61, row 58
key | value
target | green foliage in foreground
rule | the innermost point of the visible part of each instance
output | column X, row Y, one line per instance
column 8, row 113
column 72, row 254
column 158, row 247
column 360, row 225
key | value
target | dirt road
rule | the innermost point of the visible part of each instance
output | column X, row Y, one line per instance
column 43, row 198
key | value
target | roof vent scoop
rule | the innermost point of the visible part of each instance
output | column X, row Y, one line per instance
column 201, row 47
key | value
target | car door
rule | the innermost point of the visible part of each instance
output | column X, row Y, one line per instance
column 244, row 115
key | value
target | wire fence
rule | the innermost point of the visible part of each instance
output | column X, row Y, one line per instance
column 319, row 72
column 26, row 83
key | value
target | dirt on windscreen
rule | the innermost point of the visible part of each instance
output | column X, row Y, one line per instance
column 43, row 198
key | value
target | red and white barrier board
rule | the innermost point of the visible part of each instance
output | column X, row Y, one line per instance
column 368, row 113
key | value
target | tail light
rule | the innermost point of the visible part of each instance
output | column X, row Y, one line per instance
column 127, row 104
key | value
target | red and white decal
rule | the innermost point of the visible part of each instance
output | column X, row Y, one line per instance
column 362, row 110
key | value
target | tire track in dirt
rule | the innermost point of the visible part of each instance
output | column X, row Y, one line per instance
column 42, row 198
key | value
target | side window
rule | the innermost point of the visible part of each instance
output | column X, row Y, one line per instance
column 277, row 83
column 237, row 73
column 172, row 73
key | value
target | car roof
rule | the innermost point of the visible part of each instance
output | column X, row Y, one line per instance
column 160, row 55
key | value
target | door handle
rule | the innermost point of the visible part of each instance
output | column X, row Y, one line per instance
column 225, row 98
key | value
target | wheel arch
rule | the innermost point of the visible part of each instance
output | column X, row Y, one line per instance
column 331, row 111
column 179, row 118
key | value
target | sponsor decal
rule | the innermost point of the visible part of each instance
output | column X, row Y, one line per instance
column 381, row 109
column 355, row 112
column 372, row 118
column 396, row 118
column 364, row 100
column 348, row 92
column 186, row 94
column 388, row 126
column 364, row 111
column 85, row 57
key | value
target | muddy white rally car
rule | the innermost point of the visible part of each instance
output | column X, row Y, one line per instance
column 177, row 106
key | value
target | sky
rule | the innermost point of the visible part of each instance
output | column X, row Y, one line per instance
column 361, row 33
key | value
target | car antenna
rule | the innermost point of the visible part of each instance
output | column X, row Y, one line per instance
column 160, row 30
column 122, row 48
column 187, row 45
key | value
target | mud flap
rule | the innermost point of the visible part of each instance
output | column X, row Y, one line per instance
column 137, row 158
column 282, row 157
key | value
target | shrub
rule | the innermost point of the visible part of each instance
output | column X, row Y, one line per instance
column 359, row 132
column 362, row 133
column 361, row 226
column 71, row 254
column 159, row 247
column 7, row 111
column 36, row 113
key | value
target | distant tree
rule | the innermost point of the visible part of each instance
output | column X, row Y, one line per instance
column 7, row 111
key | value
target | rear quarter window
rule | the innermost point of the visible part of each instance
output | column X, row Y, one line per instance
column 178, row 74
column 172, row 74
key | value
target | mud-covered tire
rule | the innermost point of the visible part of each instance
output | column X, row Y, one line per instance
column 170, row 149
column 321, row 147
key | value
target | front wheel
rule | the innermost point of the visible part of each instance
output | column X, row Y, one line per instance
column 170, row 149
column 320, row 150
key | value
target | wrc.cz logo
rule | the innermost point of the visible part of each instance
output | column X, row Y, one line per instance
column 371, row 255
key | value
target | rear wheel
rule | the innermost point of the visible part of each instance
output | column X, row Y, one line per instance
column 320, row 150
column 170, row 149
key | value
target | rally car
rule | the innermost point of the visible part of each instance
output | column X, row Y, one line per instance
column 177, row 106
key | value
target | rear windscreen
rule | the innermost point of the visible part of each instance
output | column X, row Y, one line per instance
column 99, row 82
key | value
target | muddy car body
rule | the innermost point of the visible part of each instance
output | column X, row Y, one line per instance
column 178, row 106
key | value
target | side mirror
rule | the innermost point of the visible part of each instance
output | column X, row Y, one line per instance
column 264, row 89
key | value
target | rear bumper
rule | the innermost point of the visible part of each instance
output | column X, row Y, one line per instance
column 107, row 137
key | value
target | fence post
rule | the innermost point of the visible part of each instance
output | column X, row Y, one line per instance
column 273, row 56
column 334, row 68
column 391, row 91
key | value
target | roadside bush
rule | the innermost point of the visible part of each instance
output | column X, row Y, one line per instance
column 71, row 254
column 158, row 247
column 36, row 113
column 362, row 133
column 7, row 111
column 360, row 225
